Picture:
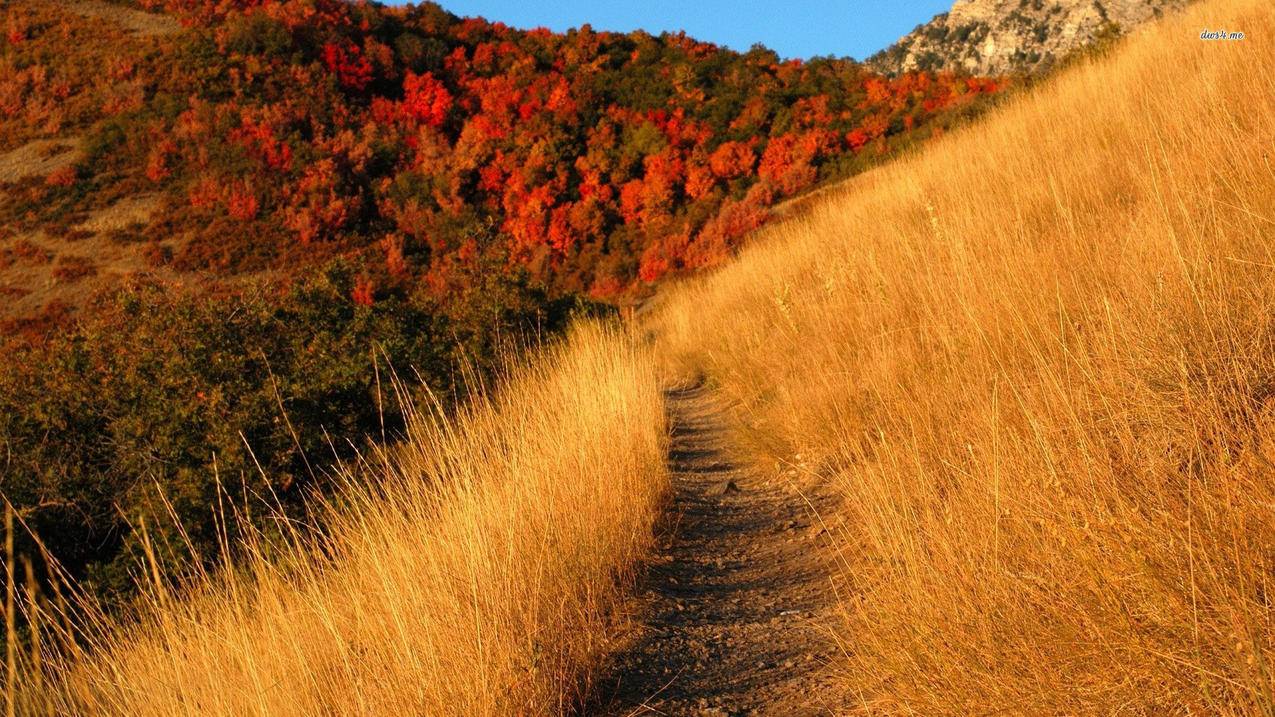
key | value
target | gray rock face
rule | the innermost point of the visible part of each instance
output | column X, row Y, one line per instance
column 996, row 37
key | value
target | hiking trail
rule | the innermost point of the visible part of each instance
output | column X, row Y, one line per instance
column 735, row 600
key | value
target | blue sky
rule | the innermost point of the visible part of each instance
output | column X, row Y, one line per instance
column 793, row 28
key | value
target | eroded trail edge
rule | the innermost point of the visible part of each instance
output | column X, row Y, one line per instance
column 734, row 607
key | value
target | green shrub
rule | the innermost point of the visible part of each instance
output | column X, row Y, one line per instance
column 159, row 396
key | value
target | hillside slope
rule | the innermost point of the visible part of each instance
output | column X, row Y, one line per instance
column 1037, row 359
column 216, row 212
column 483, row 572
column 1000, row 37
column 264, row 138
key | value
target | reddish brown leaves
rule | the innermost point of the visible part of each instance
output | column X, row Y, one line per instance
column 732, row 159
column 592, row 160
column 426, row 99
column 346, row 61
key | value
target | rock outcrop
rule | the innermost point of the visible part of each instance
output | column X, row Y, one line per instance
column 996, row 37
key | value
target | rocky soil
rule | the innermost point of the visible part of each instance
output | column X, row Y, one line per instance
column 733, row 612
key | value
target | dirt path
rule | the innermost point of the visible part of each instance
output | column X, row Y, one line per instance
column 734, row 602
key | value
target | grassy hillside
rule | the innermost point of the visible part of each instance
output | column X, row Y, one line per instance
column 479, row 577
column 1039, row 359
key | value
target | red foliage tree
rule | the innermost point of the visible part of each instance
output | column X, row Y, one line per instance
column 364, row 291
column 857, row 137
column 345, row 60
column 61, row 177
column 241, row 202
column 157, row 161
column 700, row 181
column 732, row 159
column 258, row 134
column 395, row 260
column 426, row 99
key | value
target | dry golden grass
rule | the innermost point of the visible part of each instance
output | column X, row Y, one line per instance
column 1039, row 358
column 38, row 158
column 480, row 579
column 135, row 21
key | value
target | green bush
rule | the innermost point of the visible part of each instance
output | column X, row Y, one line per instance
column 159, row 396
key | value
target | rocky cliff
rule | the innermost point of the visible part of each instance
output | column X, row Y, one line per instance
column 992, row 37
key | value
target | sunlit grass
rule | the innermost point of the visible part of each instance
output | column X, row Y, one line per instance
column 1039, row 359
column 478, row 574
